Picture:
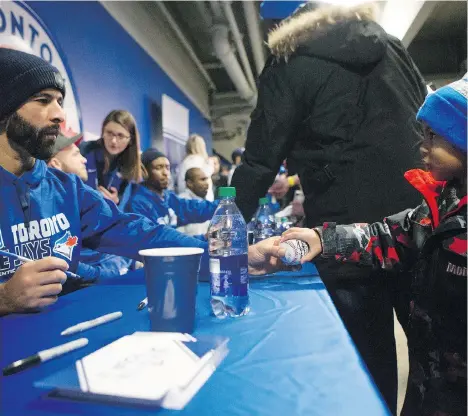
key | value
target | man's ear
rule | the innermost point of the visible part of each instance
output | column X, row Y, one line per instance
column 55, row 163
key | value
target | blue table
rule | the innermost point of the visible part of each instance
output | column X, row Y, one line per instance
column 290, row 356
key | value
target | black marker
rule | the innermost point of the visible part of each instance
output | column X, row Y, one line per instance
column 142, row 304
column 45, row 355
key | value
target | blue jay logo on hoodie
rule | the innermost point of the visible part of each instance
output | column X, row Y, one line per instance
column 38, row 239
column 169, row 219
column 65, row 245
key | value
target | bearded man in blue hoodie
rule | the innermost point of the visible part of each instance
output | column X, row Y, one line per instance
column 47, row 215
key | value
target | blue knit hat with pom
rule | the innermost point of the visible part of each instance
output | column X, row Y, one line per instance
column 445, row 111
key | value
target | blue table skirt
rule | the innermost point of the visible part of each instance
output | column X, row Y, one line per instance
column 290, row 356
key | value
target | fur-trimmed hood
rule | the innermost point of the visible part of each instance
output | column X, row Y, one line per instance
column 345, row 35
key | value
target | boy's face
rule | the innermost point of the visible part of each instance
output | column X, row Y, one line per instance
column 443, row 160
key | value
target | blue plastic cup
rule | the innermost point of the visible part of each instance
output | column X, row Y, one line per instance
column 171, row 276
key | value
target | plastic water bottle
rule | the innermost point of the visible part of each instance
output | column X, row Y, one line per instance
column 264, row 222
column 282, row 226
column 228, row 258
column 250, row 231
column 274, row 204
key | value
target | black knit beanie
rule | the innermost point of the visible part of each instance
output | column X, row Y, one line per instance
column 21, row 76
column 149, row 155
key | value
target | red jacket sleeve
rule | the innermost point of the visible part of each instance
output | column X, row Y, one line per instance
column 384, row 244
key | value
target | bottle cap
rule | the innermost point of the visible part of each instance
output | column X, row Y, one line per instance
column 226, row 191
column 263, row 201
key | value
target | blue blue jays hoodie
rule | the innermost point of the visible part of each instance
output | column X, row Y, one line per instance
column 46, row 212
column 94, row 153
column 169, row 209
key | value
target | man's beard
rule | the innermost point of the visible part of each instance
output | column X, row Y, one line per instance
column 30, row 141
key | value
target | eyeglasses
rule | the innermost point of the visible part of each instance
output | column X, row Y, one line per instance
column 119, row 136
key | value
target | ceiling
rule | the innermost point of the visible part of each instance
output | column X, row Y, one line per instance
column 229, row 113
column 438, row 47
column 448, row 19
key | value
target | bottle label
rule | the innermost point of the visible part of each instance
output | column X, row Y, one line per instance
column 229, row 275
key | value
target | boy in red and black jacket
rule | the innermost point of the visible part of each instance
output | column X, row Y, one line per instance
column 430, row 241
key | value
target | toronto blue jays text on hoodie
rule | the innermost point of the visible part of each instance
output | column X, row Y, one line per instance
column 46, row 212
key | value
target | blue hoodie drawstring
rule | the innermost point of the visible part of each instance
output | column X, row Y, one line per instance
column 24, row 194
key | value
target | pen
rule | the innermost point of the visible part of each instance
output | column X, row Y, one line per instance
column 83, row 326
column 26, row 260
column 142, row 304
column 43, row 356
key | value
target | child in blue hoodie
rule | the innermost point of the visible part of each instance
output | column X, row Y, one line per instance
column 48, row 215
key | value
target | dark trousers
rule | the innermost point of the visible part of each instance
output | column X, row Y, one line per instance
column 366, row 307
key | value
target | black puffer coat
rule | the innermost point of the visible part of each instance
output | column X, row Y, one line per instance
column 341, row 100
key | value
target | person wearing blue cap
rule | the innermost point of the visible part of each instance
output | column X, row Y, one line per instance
column 431, row 241
column 338, row 99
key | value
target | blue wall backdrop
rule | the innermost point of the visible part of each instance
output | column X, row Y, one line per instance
column 109, row 69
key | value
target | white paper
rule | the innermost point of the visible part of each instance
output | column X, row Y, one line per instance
column 142, row 366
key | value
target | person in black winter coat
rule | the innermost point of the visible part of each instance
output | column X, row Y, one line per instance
column 339, row 97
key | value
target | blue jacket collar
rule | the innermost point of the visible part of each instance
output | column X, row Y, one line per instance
column 164, row 197
column 31, row 177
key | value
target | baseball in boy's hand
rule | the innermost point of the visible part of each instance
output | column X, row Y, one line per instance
column 305, row 235
column 295, row 251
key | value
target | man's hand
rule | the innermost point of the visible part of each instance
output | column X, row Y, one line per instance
column 111, row 194
column 297, row 208
column 265, row 257
column 310, row 236
column 282, row 184
column 34, row 285
column 280, row 187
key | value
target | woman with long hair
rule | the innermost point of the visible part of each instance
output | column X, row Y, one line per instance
column 196, row 157
column 113, row 164
column 114, row 160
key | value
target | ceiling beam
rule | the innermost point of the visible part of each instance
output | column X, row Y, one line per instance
column 404, row 19
column 188, row 47
column 213, row 65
